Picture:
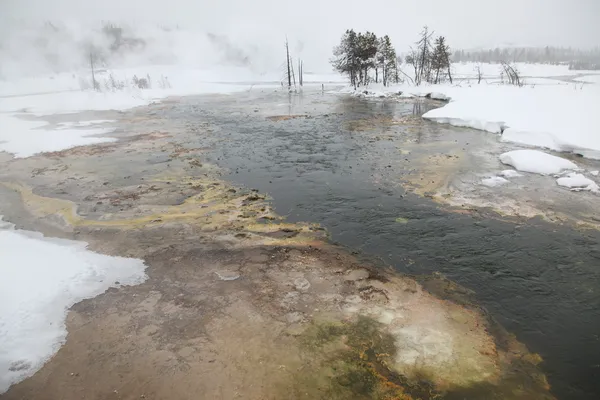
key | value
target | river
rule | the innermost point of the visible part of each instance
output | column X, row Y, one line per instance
column 342, row 162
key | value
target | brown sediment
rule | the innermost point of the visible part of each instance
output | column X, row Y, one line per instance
column 433, row 174
column 242, row 304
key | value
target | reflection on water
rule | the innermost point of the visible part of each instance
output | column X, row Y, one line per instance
column 339, row 166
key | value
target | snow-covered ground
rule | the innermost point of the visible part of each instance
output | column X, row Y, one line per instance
column 492, row 71
column 589, row 78
column 41, row 278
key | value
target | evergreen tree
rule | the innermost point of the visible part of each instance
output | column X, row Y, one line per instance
column 345, row 56
column 388, row 60
column 367, row 52
column 440, row 61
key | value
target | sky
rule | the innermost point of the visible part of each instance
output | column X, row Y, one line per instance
column 315, row 27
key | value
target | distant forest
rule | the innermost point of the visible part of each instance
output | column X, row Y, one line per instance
column 576, row 59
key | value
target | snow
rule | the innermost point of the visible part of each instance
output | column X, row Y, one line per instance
column 575, row 181
column 29, row 97
column 438, row 96
column 589, row 78
column 536, row 162
column 25, row 138
column 468, row 70
column 41, row 279
column 509, row 173
column 594, row 173
column 494, row 181
column 559, row 118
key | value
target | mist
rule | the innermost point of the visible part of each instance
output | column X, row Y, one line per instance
column 52, row 35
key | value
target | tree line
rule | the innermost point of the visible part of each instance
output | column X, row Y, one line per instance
column 360, row 54
column 575, row 58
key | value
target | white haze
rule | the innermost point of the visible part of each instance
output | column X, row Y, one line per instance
column 252, row 32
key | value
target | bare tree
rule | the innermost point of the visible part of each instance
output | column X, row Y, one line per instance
column 478, row 71
column 94, row 82
column 289, row 72
column 424, row 46
column 413, row 59
column 512, row 74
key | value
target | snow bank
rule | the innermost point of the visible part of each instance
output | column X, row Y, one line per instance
column 536, row 162
column 41, row 278
column 560, row 118
column 575, row 181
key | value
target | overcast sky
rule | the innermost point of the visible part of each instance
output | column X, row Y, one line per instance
column 466, row 23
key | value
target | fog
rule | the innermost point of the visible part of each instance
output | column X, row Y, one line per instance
column 255, row 30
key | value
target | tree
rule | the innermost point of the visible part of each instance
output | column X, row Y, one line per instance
column 288, row 62
column 424, row 56
column 367, row 52
column 512, row 74
column 345, row 56
column 440, row 60
column 386, row 60
column 413, row 59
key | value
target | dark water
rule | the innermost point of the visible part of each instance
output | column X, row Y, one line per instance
column 540, row 281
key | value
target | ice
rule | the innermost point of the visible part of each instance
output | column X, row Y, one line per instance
column 576, row 181
column 41, row 278
column 536, row 162
column 494, row 181
column 509, row 173
column 594, row 173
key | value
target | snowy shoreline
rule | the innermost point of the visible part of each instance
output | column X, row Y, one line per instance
column 33, row 312
column 546, row 113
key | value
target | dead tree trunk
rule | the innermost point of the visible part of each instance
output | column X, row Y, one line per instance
column 94, row 84
column 289, row 74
